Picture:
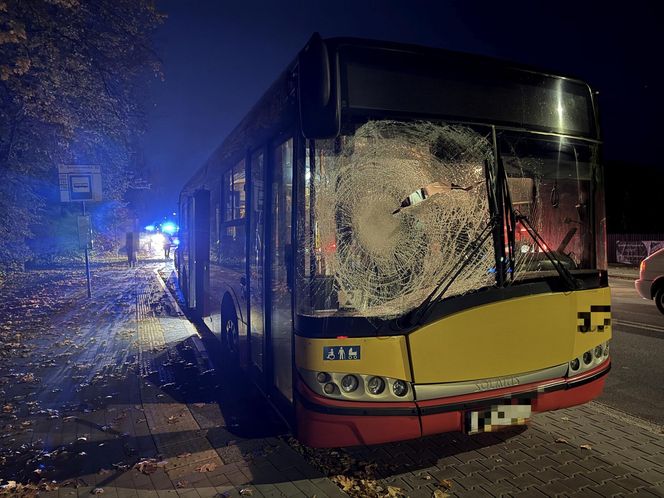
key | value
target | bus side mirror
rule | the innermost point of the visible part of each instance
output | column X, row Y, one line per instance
column 319, row 109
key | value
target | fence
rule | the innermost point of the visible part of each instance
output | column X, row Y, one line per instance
column 631, row 248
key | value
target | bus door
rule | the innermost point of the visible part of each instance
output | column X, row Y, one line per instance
column 201, row 252
column 281, row 264
column 189, row 254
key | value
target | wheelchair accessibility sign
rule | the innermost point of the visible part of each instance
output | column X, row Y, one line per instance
column 341, row 352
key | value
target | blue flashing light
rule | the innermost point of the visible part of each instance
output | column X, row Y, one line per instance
column 150, row 228
column 169, row 227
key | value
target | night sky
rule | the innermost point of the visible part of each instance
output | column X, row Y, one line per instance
column 220, row 56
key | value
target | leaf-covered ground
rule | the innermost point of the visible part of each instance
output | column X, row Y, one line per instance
column 118, row 392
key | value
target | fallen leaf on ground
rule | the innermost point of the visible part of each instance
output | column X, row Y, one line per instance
column 182, row 484
column 562, row 440
column 147, row 467
column 246, row 492
column 29, row 377
column 48, row 486
column 346, row 483
column 207, row 467
column 76, row 483
column 586, row 447
column 394, row 492
column 445, row 483
column 184, row 455
column 440, row 494
column 97, row 491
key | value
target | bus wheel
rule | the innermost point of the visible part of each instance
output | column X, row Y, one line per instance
column 231, row 337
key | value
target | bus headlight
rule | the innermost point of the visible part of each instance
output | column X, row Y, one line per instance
column 588, row 360
column 376, row 385
column 400, row 388
column 349, row 383
column 354, row 386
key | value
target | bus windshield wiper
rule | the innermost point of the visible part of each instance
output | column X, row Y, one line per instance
column 448, row 279
column 564, row 273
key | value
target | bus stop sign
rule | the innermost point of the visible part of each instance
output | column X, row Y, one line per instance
column 79, row 182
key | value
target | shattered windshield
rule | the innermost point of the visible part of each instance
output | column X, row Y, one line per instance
column 390, row 212
column 550, row 184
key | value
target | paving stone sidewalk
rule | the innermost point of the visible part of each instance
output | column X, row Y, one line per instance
column 120, row 398
column 144, row 409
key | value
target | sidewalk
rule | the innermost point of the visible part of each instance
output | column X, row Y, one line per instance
column 120, row 395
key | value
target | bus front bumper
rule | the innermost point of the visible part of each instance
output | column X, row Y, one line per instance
column 325, row 423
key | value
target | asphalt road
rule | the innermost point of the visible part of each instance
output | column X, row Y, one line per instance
column 636, row 382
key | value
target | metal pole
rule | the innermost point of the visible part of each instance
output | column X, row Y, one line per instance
column 87, row 260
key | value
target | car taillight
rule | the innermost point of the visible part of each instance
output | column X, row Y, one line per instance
column 642, row 266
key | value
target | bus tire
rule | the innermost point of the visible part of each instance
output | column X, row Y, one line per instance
column 229, row 330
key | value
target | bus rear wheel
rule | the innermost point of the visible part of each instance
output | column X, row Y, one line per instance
column 230, row 333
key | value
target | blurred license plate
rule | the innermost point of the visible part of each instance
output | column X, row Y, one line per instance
column 496, row 418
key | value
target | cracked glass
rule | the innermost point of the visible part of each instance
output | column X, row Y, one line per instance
column 392, row 210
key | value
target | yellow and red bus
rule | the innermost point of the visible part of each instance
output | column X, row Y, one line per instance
column 399, row 241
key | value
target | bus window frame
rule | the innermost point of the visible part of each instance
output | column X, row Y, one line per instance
column 236, row 223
